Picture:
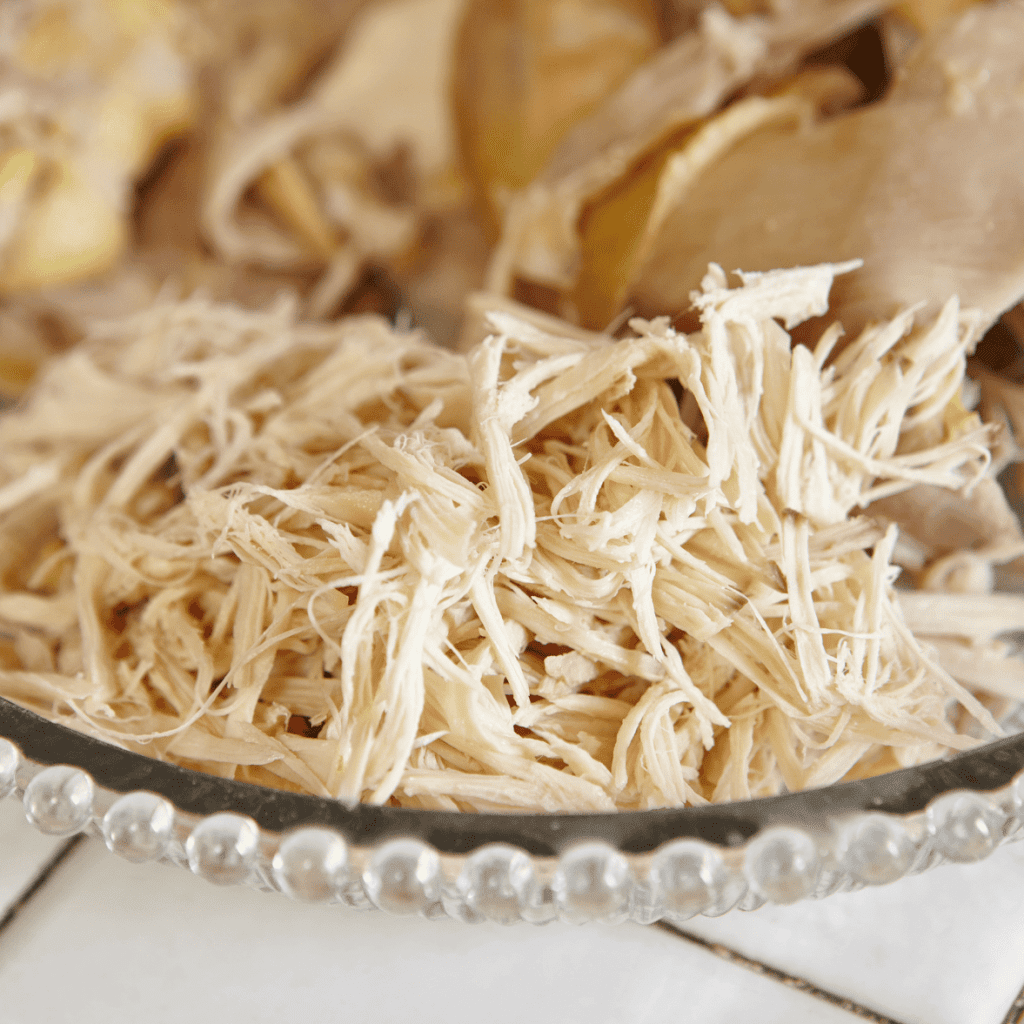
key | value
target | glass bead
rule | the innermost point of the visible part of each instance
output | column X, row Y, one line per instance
column 58, row 800
column 965, row 826
column 10, row 756
column 782, row 864
column 876, row 849
column 496, row 882
column 645, row 905
column 593, row 883
column 436, row 911
column 310, row 865
column 689, row 877
column 750, row 900
column 1017, row 794
column 456, row 908
column 353, row 895
column 223, row 848
column 540, row 908
column 403, row 877
column 139, row 827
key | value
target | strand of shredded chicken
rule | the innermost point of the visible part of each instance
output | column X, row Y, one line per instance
column 561, row 572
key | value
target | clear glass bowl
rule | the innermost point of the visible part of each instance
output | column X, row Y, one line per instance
column 636, row 865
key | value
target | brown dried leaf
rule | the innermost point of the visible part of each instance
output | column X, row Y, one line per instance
column 926, row 15
column 683, row 83
column 617, row 231
column 891, row 183
column 944, row 522
column 528, row 70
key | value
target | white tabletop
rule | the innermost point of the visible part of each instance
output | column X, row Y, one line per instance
column 88, row 938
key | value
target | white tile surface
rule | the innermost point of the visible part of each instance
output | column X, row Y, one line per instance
column 156, row 944
column 945, row 947
column 23, row 852
column 153, row 943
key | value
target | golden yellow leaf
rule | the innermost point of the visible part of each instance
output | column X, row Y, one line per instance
column 70, row 232
column 683, row 83
column 528, row 70
column 889, row 183
column 927, row 14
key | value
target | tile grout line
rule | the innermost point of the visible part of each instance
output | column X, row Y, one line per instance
column 1015, row 1014
column 43, row 876
column 790, row 980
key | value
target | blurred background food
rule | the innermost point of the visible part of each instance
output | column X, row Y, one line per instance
column 585, row 157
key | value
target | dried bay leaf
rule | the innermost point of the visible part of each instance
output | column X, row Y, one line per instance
column 617, row 231
column 888, row 183
column 528, row 70
column 684, row 82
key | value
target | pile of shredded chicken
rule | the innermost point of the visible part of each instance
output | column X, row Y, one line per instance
column 559, row 572
column 588, row 562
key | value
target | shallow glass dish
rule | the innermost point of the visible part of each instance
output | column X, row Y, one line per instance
column 628, row 865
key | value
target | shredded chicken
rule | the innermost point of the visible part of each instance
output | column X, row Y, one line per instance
column 559, row 572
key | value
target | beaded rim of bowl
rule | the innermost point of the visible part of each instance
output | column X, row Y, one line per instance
column 642, row 866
